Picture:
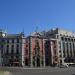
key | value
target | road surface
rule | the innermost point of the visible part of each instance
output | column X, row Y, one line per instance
column 40, row 71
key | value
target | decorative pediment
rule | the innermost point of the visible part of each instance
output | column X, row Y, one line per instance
column 36, row 34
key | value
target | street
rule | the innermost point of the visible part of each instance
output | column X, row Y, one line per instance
column 40, row 71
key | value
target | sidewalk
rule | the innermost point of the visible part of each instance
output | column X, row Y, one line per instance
column 5, row 73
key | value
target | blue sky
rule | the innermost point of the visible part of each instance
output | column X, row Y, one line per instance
column 19, row 15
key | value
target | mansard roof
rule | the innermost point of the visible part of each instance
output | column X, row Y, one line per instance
column 14, row 35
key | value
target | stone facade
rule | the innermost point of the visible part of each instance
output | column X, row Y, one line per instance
column 65, row 46
column 40, row 49
column 12, row 49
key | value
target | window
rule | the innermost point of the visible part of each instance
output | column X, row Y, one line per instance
column 74, row 49
column 64, row 49
column 65, row 39
column 63, row 55
column 57, row 36
column 17, row 40
column 26, row 61
column 74, row 53
column 60, row 61
column 62, row 38
column 1, row 46
column 1, row 49
column 55, row 52
column 73, row 46
column 17, row 57
column 60, row 34
column 26, row 51
column 26, row 45
column 7, row 46
column 7, row 49
column 3, row 40
column 60, row 55
column 59, row 51
column 12, row 49
column 68, row 39
column 67, row 49
column 17, row 49
column 70, row 49
column 7, row 41
column 13, row 41
column 17, row 46
column 72, row 40
column 12, row 57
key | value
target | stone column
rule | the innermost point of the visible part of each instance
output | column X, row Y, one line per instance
column 23, row 44
column 69, row 48
column 51, row 52
column 72, row 49
column 65, row 50
column 31, row 57
column 44, row 53
column 62, row 52
column 58, row 52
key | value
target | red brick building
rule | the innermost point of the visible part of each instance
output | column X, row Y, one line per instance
column 40, row 51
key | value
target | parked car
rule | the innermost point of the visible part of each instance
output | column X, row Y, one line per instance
column 72, row 64
column 63, row 66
